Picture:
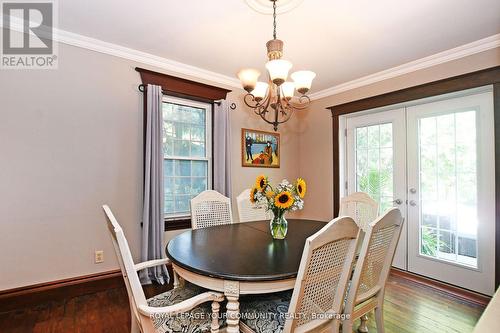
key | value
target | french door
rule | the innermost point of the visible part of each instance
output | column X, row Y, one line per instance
column 377, row 163
column 435, row 161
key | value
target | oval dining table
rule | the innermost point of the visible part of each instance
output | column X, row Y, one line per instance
column 240, row 259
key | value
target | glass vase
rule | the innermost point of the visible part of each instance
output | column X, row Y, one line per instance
column 278, row 225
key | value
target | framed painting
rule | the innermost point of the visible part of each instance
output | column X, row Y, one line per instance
column 260, row 149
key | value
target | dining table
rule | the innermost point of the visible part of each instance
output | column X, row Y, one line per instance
column 240, row 259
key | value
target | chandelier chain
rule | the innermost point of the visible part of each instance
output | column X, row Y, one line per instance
column 274, row 19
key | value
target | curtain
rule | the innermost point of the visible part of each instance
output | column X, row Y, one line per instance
column 222, row 149
column 153, row 215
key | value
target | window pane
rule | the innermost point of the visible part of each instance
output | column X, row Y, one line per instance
column 181, row 148
column 184, row 137
column 182, row 168
column 374, row 163
column 182, row 204
column 198, row 133
column 199, row 168
column 448, row 182
column 199, row 185
column 197, row 149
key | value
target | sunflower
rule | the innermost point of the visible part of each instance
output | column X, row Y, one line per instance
column 253, row 191
column 270, row 194
column 261, row 182
column 301, row 187
column 283, row 200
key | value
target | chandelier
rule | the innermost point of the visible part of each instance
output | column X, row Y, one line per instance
column 274, row 101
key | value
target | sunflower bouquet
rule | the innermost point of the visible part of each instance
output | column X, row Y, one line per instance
column 280, row 199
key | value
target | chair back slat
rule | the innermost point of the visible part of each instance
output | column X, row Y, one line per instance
column 210, row 208
column 361, row 207
column 247, row 211
column 375, row 259
column 134, row 289
column 323, row 275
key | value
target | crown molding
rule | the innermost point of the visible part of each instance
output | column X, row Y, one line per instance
column 179, row 68
column 462, row 51
column 144, row 58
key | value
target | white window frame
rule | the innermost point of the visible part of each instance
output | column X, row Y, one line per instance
column 208, row 144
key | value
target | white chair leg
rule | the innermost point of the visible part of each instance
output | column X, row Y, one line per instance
column 347, row 326
column 214, row 327
column 336, row 327
column 362, row 326
column 379, row 318
column 134, row 328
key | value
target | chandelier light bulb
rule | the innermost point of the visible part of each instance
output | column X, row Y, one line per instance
column 303, row 80
column 248, row 78
column 278, row 70
column 273, row 100
column 260, row 91
column 287, row 89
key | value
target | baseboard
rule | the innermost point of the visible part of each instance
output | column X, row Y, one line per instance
column 33, row 295
column 457, row 292
column 59, row 290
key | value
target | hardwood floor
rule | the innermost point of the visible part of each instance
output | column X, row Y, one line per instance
column 409, row 307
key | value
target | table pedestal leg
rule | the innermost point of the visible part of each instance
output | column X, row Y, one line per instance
column 232, row 293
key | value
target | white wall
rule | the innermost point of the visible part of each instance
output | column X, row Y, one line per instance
column 71, row 140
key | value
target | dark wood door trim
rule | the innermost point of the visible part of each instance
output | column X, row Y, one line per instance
column 496, row 106
column 490, row 76
column 462, row 82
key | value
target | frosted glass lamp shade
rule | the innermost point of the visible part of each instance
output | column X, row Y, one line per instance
column 260, row 91
column 287, row 89
column 248, row 78
column 303, row 80
column 278, row 70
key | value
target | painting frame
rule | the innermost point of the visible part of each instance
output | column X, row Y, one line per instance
column 260, row 141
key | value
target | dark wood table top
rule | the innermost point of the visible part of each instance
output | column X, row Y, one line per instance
column 242, row 251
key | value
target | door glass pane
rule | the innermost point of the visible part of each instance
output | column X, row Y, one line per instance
column 374, row 163
column 448, row 187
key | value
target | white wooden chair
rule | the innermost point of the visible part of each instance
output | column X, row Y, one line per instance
column 361, row 207
column 210, row 208
column 324, row 272
column 185, row 306
column 364, row 210
column 247, row 211
column 366, row 291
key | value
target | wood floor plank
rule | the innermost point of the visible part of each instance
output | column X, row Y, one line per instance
column 409, row 308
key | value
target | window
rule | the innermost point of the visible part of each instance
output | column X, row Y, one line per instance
column 187, row 147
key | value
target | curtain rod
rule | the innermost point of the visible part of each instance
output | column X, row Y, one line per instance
column 142, row 88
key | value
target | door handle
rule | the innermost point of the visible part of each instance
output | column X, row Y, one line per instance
column 413, row 203
column 398, row 201
column 413, row 190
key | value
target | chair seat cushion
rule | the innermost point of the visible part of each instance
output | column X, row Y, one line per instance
column 195, row 321
column 265, row 313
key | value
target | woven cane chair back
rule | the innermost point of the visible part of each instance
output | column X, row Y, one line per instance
column 361, row 207
column 377, row 253
column 247, row 211
column 210, row 208
column 323, row 275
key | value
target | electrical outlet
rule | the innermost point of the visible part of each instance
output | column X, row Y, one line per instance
column 99, row 256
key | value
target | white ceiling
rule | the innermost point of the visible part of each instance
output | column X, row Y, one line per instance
column 339, row 40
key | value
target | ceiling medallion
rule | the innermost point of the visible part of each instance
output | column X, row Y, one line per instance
column 274, row 101
column 266, row 6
